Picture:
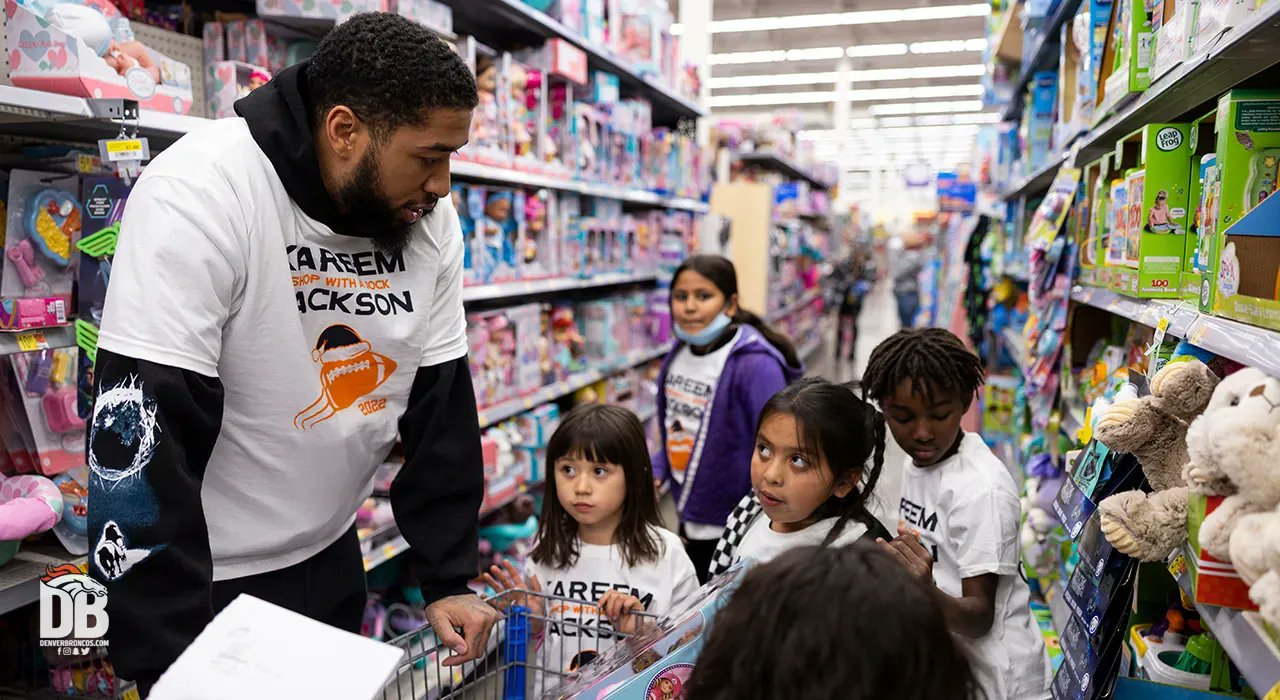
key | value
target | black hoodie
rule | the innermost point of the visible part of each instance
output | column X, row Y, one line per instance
column 435, row 498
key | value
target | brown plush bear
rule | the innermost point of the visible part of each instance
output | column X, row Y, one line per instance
column 1154, row 429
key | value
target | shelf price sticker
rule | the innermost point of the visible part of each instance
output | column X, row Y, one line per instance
column 1162, row 329
column 1178, row 565
column 32, row 341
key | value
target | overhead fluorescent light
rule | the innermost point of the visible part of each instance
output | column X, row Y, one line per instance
column 868, row 95
column 927, row 107
column 867, row 50
column 844, row 19
column 740, row 57
column 952, row 46
column 818, row 54
column 984, row 118
column 855, row 76
column 896, row 121
column 676, row 29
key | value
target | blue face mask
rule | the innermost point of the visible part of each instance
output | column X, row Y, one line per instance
column 707, row 335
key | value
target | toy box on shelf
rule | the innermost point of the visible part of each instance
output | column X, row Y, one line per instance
column 326, row 11
column 535, row 429
column 1216, row 17
column 1215, row 582
column 491, row 337
column 1243, row 246
column 490, row 127
column 1147, row 245
column 1126, row 58
column 41, row 396
column 1172, row 23
column 43, row 223
column 657, row 662
column 568, row 347
column 436, row 16
column 228, row 81
column 89, row 50
column 1091, row 209
column 526, row 322
column 1194, row 262
column 538, row 246
column 498, row 231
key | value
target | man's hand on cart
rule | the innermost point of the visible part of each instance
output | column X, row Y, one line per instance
column 467, row 614
column 514, row 589
column 618, row 607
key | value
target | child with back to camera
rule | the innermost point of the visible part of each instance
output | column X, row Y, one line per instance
column 831, row 623
column 599, row 540
column 959, row 513
column 810, row 475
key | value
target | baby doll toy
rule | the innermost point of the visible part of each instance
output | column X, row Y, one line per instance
column 499, row 262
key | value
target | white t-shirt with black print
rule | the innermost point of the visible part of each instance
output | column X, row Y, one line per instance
column 690, row 390
column 576, row 632
column 316, row 337
column 762, row 543
column 967, row 511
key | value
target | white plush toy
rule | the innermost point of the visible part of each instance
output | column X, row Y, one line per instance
column 1237, row 439
column 1255, row 552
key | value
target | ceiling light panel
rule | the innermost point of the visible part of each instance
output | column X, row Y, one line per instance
column 869, row 50
column 953, row 46
column 838, row 19
column 827, row 53
column 869, row 95
column 927, row 107
column 855, row 76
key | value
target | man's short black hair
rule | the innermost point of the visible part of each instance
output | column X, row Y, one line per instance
column 391, row 71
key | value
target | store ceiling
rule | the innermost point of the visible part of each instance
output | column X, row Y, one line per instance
column 915, row 81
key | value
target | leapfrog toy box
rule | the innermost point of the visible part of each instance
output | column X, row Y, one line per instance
column 657, row 663
column 89, row 50
column 1244, row 256
column 1203, row 161
column 1156, row 160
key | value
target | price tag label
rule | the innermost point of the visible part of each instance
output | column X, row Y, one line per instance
column 131, row 694
column 1162, row 329
column 31, row 341
column 1198, row 332
column 127, row 149
column 86, row 163
column 1178, row 566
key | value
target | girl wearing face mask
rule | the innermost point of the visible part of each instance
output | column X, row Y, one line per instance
column 712, row 387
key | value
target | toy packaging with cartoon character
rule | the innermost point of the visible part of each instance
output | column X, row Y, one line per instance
column 43, row 222
column 1156, row 160
column 655, row 664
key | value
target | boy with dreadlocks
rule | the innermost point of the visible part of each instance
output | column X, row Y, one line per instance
column 959, row 513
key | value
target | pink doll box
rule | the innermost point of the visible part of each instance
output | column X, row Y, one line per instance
column 39, row 312
column 433, row 15
column 655, row 665
column 215, row 47
column 52, row 422
column 527, row 321
column 227, row 82
column 568, row 61
column 256, row 50
column 44, row 57
column 237, row 49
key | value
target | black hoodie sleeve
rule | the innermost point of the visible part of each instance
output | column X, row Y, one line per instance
column 154, row 428
column 436, row 496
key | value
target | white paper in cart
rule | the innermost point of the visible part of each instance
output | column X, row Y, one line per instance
column 254, row 649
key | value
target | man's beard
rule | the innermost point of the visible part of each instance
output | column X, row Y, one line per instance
column 366, row 213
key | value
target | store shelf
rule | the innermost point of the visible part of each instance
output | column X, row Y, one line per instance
column 1243, row 635
column 1192, row 89
column 70, row 119
column 1257, row 347
column 505, row 290
column 1043, row 56
column 508, row 24
column 505, row 410
column 1038, row 181
column 20, row 578
column 780, row 163
column 466, row 170
column 805, row 301
column 1016, row 342
column 37, row 339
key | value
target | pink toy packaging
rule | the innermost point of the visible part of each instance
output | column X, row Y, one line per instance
column 500, row 358
column 43, row 224
column 215, row 47
column 255, row 43
column 237, row 46
column 331, row 10
column 599, row 322
column 537, row 253
column 660, row 317
column 228, row 81
column 490, row 125
column 89, row 50
column 45, row 381
column 526, row 321
column 656, row 663
column 478, row 357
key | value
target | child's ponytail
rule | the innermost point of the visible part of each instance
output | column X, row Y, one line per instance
column 854, row 506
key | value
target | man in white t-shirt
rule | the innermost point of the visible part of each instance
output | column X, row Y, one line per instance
column 285, row 300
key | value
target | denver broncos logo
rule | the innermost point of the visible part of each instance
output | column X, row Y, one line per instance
column 70, row 579
column 349, row 370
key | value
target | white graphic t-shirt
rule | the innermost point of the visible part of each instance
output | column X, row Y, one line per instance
column 576, row 632
column 762, row 543
column 967, row 511
column 315, row 336
column 690, row 390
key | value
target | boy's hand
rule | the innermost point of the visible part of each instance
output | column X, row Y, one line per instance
column 618, row 606
column 514, row 589
column 906, row 548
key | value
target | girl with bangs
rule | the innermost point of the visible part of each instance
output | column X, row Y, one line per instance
column 600, row 544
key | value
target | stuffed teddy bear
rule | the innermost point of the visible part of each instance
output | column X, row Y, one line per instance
column 1255, row 553
column 1154, row 429
column 1237, row 438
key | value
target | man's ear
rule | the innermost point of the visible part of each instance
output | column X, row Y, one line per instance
column 344, row 132
column 844, row 485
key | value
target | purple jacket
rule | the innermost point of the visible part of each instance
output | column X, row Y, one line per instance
column 720, row 473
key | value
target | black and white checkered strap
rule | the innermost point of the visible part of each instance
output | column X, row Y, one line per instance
column 745, row 513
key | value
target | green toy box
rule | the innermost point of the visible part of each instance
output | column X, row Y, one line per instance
column 1202, row 159
column 1244, row 251
column 1214, row 581
column 1147, row 243
column 1126, row 57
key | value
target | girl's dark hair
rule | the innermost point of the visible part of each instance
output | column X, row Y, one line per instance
column 725, row 277
column 844, row 431
column 610, row 435
column 832, row 622
column 934, row 359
